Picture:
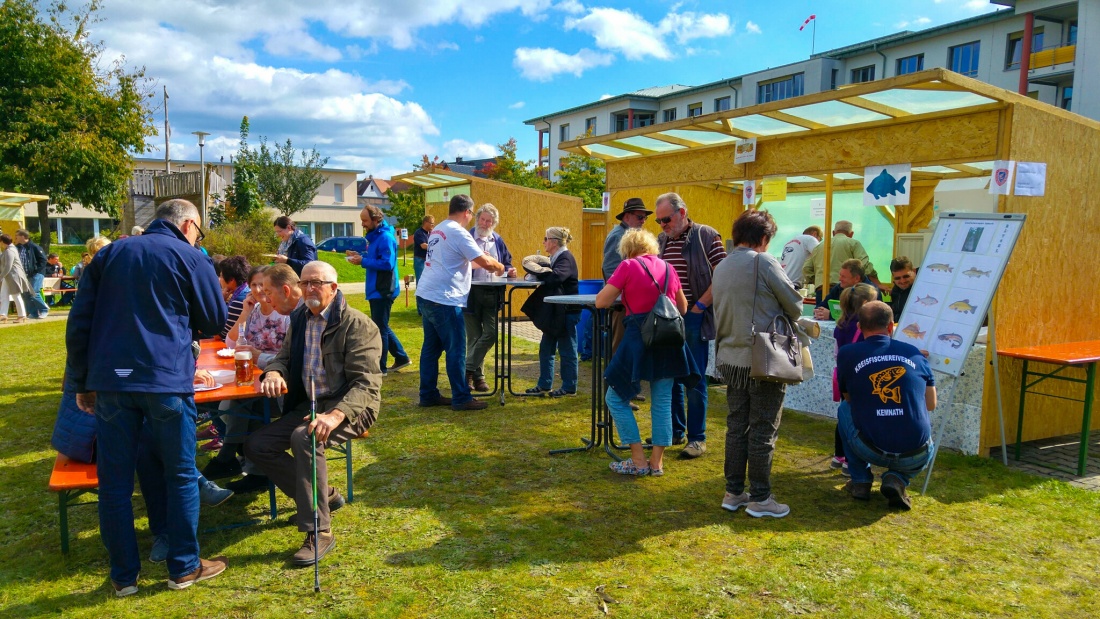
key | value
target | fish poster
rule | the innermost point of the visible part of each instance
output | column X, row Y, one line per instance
column 955, row 285
column 1000, row 177
column 744, row 151
column 887, row 184
column 774, row 189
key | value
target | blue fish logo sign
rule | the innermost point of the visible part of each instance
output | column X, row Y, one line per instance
column 886, row 185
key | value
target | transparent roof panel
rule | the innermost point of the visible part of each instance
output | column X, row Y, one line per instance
column 703, row 137
column 937, row 169
column 762, row 125
column 803, row 179
column 847, row 176
column 926, row 101
column 611, row 151
column 835, row 113
column 981, row 165
column 642, row 141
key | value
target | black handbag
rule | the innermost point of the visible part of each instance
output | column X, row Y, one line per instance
column 663, row 326
column 776, row 353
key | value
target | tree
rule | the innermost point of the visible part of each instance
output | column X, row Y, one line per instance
column 243, row 196
column 287, row 185
column 70, row 122
column 584, row 177
column 508, row 168
column 407, row 206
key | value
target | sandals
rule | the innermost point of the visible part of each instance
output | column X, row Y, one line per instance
column 537, row 391
column 627, row 467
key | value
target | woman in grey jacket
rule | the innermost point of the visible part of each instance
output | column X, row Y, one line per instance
column 755, row 407
column 13, row 281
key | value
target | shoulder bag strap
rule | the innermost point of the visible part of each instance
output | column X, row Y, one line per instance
column 653, row 279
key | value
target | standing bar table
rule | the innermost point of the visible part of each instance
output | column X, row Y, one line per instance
column 1084, row 355
column 502, row 351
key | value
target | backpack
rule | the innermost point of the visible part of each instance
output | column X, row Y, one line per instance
column 663, row 326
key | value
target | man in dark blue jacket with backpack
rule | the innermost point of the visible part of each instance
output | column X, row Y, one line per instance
column 142, row 301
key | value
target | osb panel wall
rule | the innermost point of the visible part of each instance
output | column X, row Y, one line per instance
column 596, row 228
column 708, row 164
column 1048, row 294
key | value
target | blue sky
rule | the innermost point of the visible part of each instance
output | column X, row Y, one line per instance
column 375, row 85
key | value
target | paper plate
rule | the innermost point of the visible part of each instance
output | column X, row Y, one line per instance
column 201, row 388
column 226, row 353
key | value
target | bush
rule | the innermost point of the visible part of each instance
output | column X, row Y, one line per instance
column 250, row 237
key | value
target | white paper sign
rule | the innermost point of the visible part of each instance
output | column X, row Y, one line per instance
column 404, row 234
column 745, row 151
column 817, row 208
column 886, row 184
column 606, row 201
column 748, row 193
column 1000, row 177
column 1031, row 179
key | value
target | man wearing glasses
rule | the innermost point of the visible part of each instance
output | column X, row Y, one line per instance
column 339, row 348
column 141, row 304
column 694, row 250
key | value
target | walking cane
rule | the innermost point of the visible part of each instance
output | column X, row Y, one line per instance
column 313, row 466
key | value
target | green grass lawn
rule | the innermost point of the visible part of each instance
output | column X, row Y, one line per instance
column 466, row 515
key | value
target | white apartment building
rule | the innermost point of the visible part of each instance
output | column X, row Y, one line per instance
column 334, row 211
column 1065, row 41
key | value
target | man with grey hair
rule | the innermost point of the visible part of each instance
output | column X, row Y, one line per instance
column 844, row 248
column 129, row 334
column 336, row 349
column 480, row 314
column 693, row 249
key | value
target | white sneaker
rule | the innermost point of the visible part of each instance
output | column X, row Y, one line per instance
column 733, row 502
column 771, row 507
column 694, row 449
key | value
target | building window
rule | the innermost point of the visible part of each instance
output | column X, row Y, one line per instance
column 863, row 74
column 695, row 109
column 832, row 80
column 910, row 64
column 670, row 115
column 1071, row 36
column 964, row 58
column 1016, row 47
column 721, row 104
column 782, row 88
column 643, row 120
column 1067, row 97
column 338, row 192
column 622, row 122
column 590, row 126
column 563, row 133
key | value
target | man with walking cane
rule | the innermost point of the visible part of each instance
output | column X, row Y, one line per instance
column 337, row 348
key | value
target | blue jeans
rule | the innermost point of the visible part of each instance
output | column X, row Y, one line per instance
column 444, row 332
column 660, row 414
column 696, row 422
column 170, row 478
column 36, row 308
column 566, row 346
column 418, row 270
column 380, row 314
column 860, row 457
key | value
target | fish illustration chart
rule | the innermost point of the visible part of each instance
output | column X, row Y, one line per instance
column 956, row 283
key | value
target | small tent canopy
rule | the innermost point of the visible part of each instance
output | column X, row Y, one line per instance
column 946, row 126
column 11, row 209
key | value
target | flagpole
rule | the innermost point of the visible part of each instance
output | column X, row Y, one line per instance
column 167, row 165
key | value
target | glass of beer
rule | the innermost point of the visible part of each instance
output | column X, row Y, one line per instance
column 242, row 363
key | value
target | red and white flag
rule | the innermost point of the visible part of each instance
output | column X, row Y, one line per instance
column 807, row 22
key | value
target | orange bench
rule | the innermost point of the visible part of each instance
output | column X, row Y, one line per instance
column 71, row 480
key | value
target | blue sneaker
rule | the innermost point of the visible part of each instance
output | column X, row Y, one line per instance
column 160, row 549
column 212, row 495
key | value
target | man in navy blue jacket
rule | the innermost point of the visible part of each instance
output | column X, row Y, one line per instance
column 380, row 288
column 142, row 301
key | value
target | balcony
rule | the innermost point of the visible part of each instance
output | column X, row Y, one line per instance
column 1053, row 66
column 1053, row 56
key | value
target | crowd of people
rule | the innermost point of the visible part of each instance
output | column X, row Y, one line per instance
column 311, row 346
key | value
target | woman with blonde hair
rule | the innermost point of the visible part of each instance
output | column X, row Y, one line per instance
column 96, row 243
column 558, row 322
column 641, row 278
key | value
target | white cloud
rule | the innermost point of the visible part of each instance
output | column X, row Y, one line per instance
column 690, row 26
column 518, row 105
column 606, row 95
column 914, row 23
column 570, row 6
column 467, row 150
column 543, row 63
column 752, row 28
column 629, row 34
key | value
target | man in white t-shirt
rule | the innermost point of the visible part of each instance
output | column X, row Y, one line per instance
column 441, row 294
column 796, row 251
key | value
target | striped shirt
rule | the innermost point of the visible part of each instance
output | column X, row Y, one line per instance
column 674, row 255
column 235, row 307
column 312, row 358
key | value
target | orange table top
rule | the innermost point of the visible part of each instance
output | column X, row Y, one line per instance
column 1069, row 353
column 209, row 360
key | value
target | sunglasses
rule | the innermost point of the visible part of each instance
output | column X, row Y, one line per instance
column 664, row 220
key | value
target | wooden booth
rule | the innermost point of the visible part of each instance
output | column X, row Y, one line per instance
column 11, row 210
column 947, row 127
column 525, row 213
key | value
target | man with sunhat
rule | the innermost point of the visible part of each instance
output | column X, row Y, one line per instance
column 633, row 216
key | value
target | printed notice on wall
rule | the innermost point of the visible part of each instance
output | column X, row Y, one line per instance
column 745, row 151
column 606, row 204
column 961, row 271
column 1031, row 179
column 775, row 189
column 817, row 208
column 748, row 194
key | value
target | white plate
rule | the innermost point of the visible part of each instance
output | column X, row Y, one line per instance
column 201, row 388
column 223, row 377
column 226, row 353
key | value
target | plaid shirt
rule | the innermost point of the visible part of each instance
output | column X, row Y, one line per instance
column 313, row 365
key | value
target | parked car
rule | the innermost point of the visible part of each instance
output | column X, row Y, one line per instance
column 344, row 243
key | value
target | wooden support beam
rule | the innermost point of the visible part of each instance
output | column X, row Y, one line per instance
column 794, row 120
column 675, row 140
column 630, row 147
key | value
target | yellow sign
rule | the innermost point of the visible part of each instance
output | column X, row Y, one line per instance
column 774, row 189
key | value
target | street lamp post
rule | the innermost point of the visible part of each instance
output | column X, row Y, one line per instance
column 202, row 174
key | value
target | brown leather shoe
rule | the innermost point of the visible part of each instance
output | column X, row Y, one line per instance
column 304, row 556
column 472, row 405
column 860, row 491
column 479, row 384
column 470, row 380
column 205, row 571
column 893, row 488
column 440, row 401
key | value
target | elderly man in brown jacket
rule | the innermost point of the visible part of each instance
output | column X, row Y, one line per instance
column 339, row 347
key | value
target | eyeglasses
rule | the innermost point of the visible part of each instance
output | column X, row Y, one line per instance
column 202, row 235
column 664, row 220
column 314, row 283
column 546, row 238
